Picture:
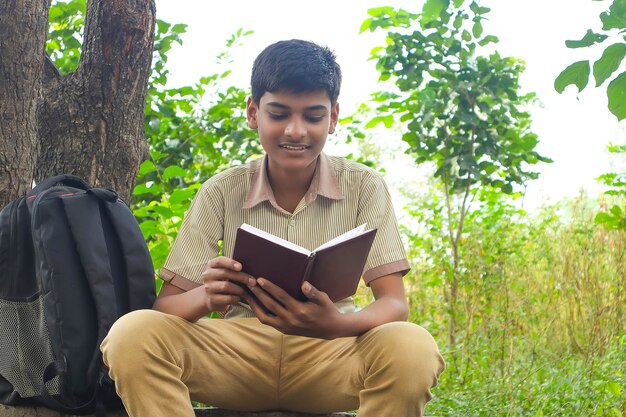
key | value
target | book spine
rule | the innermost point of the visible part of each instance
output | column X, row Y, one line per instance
column 309, row 267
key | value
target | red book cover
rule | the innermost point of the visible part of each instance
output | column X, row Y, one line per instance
column 334, row 268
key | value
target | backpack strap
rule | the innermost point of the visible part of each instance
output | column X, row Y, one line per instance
column 91, row 246
column 87, row 232
column 58, row 368
column 137, row 260
column 55, row 369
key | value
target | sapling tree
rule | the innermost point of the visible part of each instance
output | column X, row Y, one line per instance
column 461, row 107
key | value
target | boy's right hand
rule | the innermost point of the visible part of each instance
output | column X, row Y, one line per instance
column 224, row 283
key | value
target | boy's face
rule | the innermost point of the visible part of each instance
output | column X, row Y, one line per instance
column 292, row 128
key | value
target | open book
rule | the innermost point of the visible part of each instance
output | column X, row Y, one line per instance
column 335, row 267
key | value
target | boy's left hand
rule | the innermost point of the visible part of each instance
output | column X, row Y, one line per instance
column 317, row 317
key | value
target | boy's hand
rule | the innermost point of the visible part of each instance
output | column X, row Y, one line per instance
column 317, row 317
column 224, row 283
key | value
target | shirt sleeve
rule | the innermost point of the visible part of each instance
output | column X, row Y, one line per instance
column 387, row 255
column 197, row 241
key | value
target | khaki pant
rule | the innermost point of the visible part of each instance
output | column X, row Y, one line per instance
column 159, row 362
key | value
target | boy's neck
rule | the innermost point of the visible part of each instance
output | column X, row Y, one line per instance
column 290, row 187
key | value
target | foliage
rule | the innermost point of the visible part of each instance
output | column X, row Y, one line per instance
column 67, row 20
column 64, row 37
column 615, row 217
column 542, row 317
column 193, row 133
column 461, row 111
column 613, row 29
column 611, row 61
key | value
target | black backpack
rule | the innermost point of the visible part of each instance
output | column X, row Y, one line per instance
column 72, row 261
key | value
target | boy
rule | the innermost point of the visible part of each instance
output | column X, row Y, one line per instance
column 273, row 352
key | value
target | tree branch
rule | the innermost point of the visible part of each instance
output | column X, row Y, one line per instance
column 92, row 121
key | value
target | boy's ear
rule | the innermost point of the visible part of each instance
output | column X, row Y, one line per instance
column 334, row 118
column 251, row 112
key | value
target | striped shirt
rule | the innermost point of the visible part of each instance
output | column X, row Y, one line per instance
column 343, row 195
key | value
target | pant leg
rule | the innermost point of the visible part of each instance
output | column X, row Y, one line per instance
column 388, row 371
column 160, row 362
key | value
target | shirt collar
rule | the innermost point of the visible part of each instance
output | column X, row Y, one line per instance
column 324, row 183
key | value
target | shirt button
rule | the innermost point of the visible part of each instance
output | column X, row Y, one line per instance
column 292, row 223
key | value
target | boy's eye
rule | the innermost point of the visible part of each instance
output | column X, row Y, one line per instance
column 314, row 118
column 277, row 116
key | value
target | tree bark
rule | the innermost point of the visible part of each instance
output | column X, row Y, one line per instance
column 90, row 122
column 23, row 30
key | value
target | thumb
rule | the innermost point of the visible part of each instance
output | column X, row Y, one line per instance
column 312, row 293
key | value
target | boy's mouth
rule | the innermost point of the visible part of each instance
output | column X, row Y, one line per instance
column 294, row 147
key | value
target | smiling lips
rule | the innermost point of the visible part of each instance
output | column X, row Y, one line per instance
column 294, row 147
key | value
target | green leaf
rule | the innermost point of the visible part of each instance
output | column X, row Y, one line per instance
column 488, row 39
column 477, row 29
column 143, row 189
column 602, row 218
column 458, row 22
column 149, row 227
column 609, row 62
column 374, row 122
column 615, row 18
column 380, row 11
column 173, row 171
column 366, row 25
column 162, row 26
column 179, row 28
column 616, row 211
column 589, row 39
column 146, row 167
column 432, row 10
column 616, row 92
column 181, row 195
column 577, row 74
column 54, row 13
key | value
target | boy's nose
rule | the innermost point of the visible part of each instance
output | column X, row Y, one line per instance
column 295, row 129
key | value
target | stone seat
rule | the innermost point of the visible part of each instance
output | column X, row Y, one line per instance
column 200, row 412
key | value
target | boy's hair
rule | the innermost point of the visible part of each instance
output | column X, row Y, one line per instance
column 298, row 66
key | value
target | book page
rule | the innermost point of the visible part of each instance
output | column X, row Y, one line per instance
column 342, row 238
column 275, row 239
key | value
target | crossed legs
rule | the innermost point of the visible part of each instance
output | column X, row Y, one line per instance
column 160, row 362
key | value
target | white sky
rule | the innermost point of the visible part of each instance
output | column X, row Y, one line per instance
column 572, row 131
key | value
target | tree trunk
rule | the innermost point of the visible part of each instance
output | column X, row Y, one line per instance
column 23, row 30
column 90, row 122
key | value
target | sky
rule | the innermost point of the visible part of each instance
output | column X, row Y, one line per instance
column 573, row 128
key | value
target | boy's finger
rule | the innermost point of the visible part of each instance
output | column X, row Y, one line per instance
column 314, row 295
column 268, row 301
column 242, row 278
column 221, row 302
column 224, row 262
column 225, row 288
column 259, row 311
column 275, row 291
